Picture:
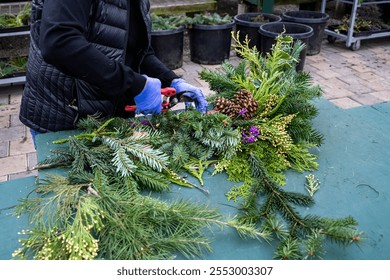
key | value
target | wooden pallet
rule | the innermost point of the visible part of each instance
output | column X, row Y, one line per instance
column 164, row 7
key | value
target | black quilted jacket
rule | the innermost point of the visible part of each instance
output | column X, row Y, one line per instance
column 86, row 57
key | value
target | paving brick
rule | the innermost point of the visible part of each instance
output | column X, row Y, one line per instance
column 32, row 160
column 13, row 164
column 23, row 146
column 310, row 69
column 4, row 149
column 314, row 59
column 345, row 103
column 4, row 121
column 381, row 95
column 344, row 71
column 366, row 99
column 351, row 55
column 362, row 68
column 22, row 174
column 378, row 85
column 6, row 110
column 336, row 83
column 4, row 178
column 4, row 99
column 370, row 77
column 14, row 92
column 179, row 71
column 326, row 74
column 16, row 95
column 12, row 133
column 335, row 93
column 323, row 65
column 14, row 121
column 358, row 88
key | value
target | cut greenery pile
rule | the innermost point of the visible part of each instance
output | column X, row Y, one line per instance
column 101, row 209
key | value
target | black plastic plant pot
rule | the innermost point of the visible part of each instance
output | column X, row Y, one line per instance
column 247, row 25
column 210, row 44
column 297, row 31
column 168, row 46
column 315, row 20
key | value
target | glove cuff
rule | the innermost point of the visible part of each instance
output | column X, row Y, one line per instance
column 177, row 81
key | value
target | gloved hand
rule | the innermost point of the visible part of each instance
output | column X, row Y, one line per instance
column 148, row 101
column 196, row 94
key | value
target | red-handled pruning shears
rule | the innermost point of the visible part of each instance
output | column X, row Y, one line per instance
column 167, row 93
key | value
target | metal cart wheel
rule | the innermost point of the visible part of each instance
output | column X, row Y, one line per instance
column 331, row 39
column 355, row 46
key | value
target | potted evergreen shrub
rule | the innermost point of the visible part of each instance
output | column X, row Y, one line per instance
column 15, row 23
column 298, row 31
column 314, row 19
column 210, row 38
column 12, row 67
column 247, row 26
column 167, row 39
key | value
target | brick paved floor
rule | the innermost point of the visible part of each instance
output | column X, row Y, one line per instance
column 348, row 79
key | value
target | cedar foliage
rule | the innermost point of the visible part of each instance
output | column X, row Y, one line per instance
column 104, row 207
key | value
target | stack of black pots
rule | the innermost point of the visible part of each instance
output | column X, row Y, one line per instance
column 307, row 26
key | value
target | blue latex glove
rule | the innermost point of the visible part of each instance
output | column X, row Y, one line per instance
column 196, row 94
column 148, row 101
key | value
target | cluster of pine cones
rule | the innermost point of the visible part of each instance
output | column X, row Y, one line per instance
column 242, row 104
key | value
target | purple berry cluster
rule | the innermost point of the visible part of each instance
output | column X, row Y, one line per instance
column 250, row 135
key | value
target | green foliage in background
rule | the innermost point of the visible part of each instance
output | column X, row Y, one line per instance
column 22, row 18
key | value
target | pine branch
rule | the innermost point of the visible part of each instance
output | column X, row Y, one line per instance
column 288, row 250
column 218, row 82
column 125, row 165
column 151, row 180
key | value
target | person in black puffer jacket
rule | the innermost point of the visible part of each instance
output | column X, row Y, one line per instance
column 93, row 57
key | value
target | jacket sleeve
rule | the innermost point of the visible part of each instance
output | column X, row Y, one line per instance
column 64, row 45
column 153, row 67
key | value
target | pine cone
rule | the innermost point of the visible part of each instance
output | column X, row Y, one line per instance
column 248, row 105
column 223, row 106
column 242, row 104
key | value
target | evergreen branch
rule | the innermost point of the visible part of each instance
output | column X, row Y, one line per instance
column 312, row 185
column 277, row 227
column 179, row 180
column 124, row 165
column 197, row 168
column 151, row 180
column 314, row 245
column 288, row 250
column 151, row 157
column 249, row 230
column 341, row 231
column 218, row 82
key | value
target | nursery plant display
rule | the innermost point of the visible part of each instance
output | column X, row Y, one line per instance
column 361, row 27
column 364, row 21
column 11, row 21
column 247, row 24
column 168, row 39
column 160, row 23
column 210, row 40
column 12, row 67
column 103, row 206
